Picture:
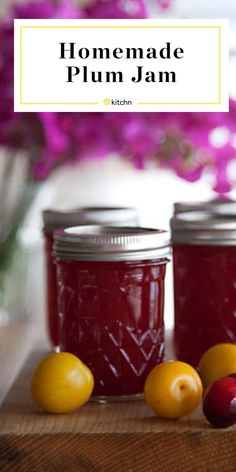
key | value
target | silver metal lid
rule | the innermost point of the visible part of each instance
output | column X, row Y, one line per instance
column 204, row 228
column 118, row 216
column 107, row 243
column 224, row 206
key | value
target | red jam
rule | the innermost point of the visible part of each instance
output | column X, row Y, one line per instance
column 112, row 318
column 51, row 291
column 205, row 298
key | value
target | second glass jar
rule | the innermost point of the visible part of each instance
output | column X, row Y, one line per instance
column 204, row 255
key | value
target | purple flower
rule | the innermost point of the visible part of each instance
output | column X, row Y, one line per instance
column 179, row 141
column 165, row 4
column 45, row 9
column 42, row 10
column 117, row 9
column 221, row 159
column 55, row 140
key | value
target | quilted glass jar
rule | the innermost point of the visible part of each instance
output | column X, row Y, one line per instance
column 53, row 220
column 204, row 255
column 111, row 302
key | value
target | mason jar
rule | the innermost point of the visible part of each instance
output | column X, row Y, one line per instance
column 204, row 257
column 111, row 303
column 54, row 219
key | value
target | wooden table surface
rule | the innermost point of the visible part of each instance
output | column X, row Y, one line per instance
column 115, row 437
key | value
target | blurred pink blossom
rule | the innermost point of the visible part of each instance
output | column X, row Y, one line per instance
column 178, row 141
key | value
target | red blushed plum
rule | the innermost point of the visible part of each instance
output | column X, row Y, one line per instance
column 219, row 404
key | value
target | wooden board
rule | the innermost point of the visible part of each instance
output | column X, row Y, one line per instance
column 115, row 437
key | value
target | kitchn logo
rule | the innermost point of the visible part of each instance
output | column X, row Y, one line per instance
column 116, row 101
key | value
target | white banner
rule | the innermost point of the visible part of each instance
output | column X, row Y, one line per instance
column 121, row 65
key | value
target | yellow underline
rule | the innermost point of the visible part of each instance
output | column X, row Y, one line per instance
column 159, row 26
column 59, row 103
column 178, row 103
column 219, row 64
column 21, row 64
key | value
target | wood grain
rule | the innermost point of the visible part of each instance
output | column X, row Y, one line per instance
column 115, row 437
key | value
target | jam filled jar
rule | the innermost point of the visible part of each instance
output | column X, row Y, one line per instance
column 53, row 220
column 204, row 255
column 111, row 302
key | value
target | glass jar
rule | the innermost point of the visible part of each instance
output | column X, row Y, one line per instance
column 111, row 301
column 204, row 256
column 53, row 220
